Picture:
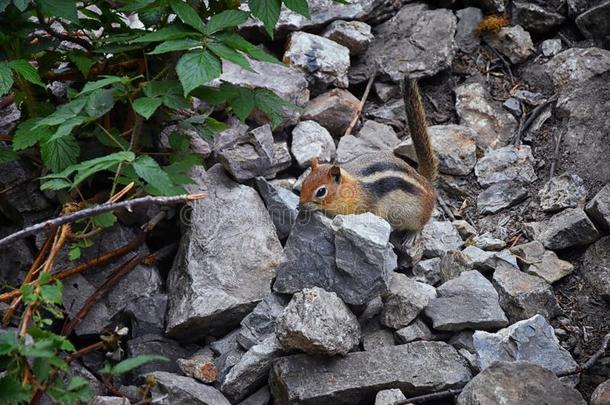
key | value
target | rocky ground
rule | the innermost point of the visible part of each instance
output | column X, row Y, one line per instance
column 506, row 288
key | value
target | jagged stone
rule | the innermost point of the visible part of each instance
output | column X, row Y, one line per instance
column 375, row 336
column 491, row 6
column 466, row 302
column 488, row 242
column 317, row 322
column 513, row 106
column 214, row 281
column 599, row 208
column 372, row 137
column 565, row 191
column 596, row 267
column 405, row 299
column 464, row 228
column 229, row 352
column 574, row 66
column 454, row 146
column 354, row 35
column 386, row 91
column 514, row 42
column 466, row 37
column 551, row 47
column 311, row 140
column 601, row 395
column 388, row 397
column 428, row 271
column 534, row 18
column 105, row 400
column 570, row 227
column 334, row 110
column 532, row 340
column 593, row 23
column 324, row 61
column 260, row 323
column 417, row 41
column 523, row 295
column 510, row 163
column 200, row 367
column 282, row 205
column 175, row 389
column 414, row 368
column 481, row 260
column 463, row 340
column 518, row 383
column 260, row 397
column 499, row 196
column 417, row 330
column 439, row 237
column 154, row 344
column 476, row 110
column 454, row 263
column 536, row 260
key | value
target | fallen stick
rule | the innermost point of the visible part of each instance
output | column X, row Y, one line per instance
column 367, row 90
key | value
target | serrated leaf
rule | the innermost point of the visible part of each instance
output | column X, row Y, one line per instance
column 91, row 86
column 55, row 184
column 176, row 102
column 7, row 155
column 60, row 153
column 162, row 88
column 64, row 112
column 99, row 102
column 52, row 293
column 272, row 105
column 298, row 6
column 27, row 136
column 27, row 71
column 179, row 142
column 74, row 252
column 146, row 106
column 6, row 78
column 105, row 220
column 235, row 41
column 226, row 19
column 268, row 11
column 135, row 5
column 8, row 342
column 41, row 348
column 59, row 8
column 11, row 390
column 93, row 166
column 83, row 62
column 67, row 127
column 175, row 31
column 134, row 362
column 243, row 103
column 150, row 171
column 27, row 294
column 195, row 69
column 175, row 45
column 187, row 14
column 224, row 52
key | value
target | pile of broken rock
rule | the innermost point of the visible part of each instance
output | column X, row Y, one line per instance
column 263, row 304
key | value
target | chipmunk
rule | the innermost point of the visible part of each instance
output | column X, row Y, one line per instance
column 380, row 182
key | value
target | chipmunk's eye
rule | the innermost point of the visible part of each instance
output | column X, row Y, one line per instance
column 321, row 192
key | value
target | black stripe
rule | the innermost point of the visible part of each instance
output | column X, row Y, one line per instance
column 386, row 185
column 382, row 167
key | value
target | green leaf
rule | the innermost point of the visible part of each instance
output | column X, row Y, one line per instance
column 272, row 105
column 27, row 136
column 41, row 369
column 223, row 51
column 235, row 41
column 7, row 155
column 134, row 362
column 99, row 102
column 6, row 78
column 195, row 69
column 66, row 111
column 59, row 8
column 67, row 127
column 77, row 391
column 176, row 102
column 92, row 166
column 8, row 342
column 55, row 184
column 298, row 6
column 41, row 348
column 4, row 4
column 150, row 171
column 27, row 294
column 243, row 103
column 11, row 390
column 52, row 293
column 146, row 106
column 268, row 11
column 135, row 5
column 179, row 142
column 226, row 19
column 60, row 153
column 161, row 88
column 27, row 71
column 83, row 62
column 105, row 220
column 90, row 86
column 187, row 14
column 174, row 31
column 74, row 252
column 176, row 45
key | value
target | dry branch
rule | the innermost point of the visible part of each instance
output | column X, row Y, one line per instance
column 367, row 90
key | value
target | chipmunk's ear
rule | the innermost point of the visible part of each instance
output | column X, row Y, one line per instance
column 313, row 163
column 335, row 173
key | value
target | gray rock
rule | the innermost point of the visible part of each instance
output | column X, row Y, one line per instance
column 466, row 37
column 254, row 154
column 417, row 330
column 154, row 344
column 9, row 118
column 476, row 110
column 565, row 191
column 463, row 340
column 410, row 249
column 500, row 196
column 184, row 390
column 593, row 23
column 530, row 98
column 349, row 255
column 510, row 163
column 388, row 397
column 197, row 143
column 454, row 263
column 464, row 228
column 310, row 141
column 260, row 397
column 467, row 302
column 491, row 6
column 551, row 47
column 534, row 18
column 523, row 295
column 104, row 400
column 454, row 145
column 214, row 281
column 536, row 260
column 317, row 322
column 413, row 368
column 488, row 242
column 570, row 227
column 518, row 383
column 514, row 42
column 598, row 208
column 574, row 66
column 354, row 35
column 200, row 367
column 375, row 336
column 230, row 354
column 513, row 105
column 287, row 82
column 251, row 371
column 601, row 395
column 260, row 323
column 372, row 137
column 324, row 61
column 481, row 260
column 282, row 205
column 531, row 340
column 386, row 91
column 404, row 301
column 334, row 110
column 596, row 267
column 146, row 314
column 439, row 237
column 428, row 271
column 417, row 41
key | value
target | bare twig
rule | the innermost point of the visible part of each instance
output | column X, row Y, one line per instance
column 367, row 90
column 84, row 350
column 47, row 27
column 445, row 207
column 98, row 209
column 429, row 397
column 505, row 63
